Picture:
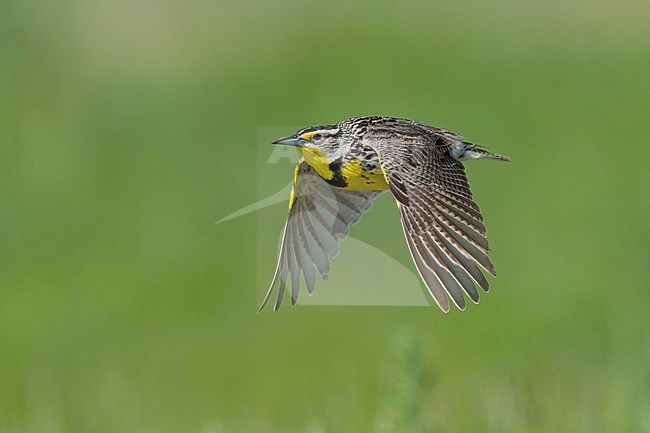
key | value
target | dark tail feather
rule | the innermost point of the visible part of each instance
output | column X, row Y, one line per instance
column 485, row 154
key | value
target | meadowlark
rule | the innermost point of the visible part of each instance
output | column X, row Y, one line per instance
column 344, row 167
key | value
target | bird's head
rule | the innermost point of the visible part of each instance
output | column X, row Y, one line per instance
column 323, row 141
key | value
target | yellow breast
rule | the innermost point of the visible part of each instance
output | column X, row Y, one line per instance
column 359, row 178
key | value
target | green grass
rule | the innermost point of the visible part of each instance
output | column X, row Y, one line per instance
column 127, row 129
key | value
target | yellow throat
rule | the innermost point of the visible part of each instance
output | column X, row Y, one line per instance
column 351, row 172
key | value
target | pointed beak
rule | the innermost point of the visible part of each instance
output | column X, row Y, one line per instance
column 292, row 140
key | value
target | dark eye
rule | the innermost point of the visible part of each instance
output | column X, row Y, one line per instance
column 317, row 137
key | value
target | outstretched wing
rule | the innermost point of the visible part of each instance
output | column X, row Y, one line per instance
column 442, row 224
column 319, row 218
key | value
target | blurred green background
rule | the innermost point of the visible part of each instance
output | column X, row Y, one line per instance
column 127, row 128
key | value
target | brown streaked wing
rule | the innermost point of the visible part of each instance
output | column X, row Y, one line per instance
column 442, row 224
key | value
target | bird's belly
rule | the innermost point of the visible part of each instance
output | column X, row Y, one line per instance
column 358, row 176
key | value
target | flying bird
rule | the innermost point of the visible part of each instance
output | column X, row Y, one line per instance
column 344, row 167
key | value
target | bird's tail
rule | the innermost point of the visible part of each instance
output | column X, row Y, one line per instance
column 486, row 154
column 464, row 150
